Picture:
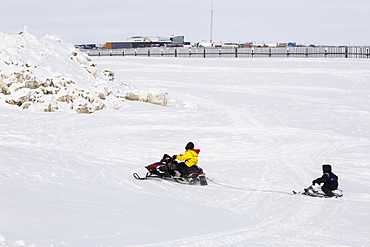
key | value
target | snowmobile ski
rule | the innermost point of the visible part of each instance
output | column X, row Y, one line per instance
column 190, row 181
column 138, row 177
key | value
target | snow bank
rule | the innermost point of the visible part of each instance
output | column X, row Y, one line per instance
column 48, row 74
column 2, row 241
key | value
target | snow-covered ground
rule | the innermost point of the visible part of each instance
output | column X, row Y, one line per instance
column 264, row 127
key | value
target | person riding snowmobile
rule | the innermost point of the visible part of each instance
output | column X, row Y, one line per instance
column 190, row 158
column 329, row 179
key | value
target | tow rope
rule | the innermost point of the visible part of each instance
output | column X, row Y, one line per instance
column 249, row 189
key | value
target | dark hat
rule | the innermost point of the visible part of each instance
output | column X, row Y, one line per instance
column 190, row 145
column 326, row 168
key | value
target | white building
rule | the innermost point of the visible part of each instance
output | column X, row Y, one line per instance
column 176, row 40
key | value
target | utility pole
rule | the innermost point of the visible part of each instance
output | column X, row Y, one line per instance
column 211, row 21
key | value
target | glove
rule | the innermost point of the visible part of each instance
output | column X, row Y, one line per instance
column 314, row 182
column 174, row 157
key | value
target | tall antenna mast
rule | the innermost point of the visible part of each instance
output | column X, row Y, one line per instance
column 211, row 21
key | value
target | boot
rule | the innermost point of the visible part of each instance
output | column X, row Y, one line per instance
column 177, row 174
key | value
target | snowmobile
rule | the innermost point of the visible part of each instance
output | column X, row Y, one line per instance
column 167, row 169
column 317, row 192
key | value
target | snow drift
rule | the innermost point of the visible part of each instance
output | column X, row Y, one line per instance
column 49, row 74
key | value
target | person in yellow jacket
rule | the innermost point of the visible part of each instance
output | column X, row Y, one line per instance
column 189, row 158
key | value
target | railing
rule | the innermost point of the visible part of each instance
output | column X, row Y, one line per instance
column 329, row 51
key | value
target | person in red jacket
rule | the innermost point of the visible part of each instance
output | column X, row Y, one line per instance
column 189, row 158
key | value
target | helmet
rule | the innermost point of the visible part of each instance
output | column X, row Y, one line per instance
column 326, row 168
column 190, row 145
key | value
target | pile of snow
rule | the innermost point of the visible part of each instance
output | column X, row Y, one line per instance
column 48, row 74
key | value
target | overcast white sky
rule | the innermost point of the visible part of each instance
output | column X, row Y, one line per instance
column 328, row 22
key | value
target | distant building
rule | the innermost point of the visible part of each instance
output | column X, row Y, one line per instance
column 86, row 46
column 249, row 44
column 136, row 39
column 202, row 44
column 270, row 45
column 231, row 45
column 289, row 44
column 140, row 41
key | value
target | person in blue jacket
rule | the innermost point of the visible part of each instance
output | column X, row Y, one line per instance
column 329, row 179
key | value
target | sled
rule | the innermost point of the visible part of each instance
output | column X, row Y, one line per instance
column 314, row 192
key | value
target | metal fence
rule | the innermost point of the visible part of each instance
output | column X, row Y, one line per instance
column 330, row 52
